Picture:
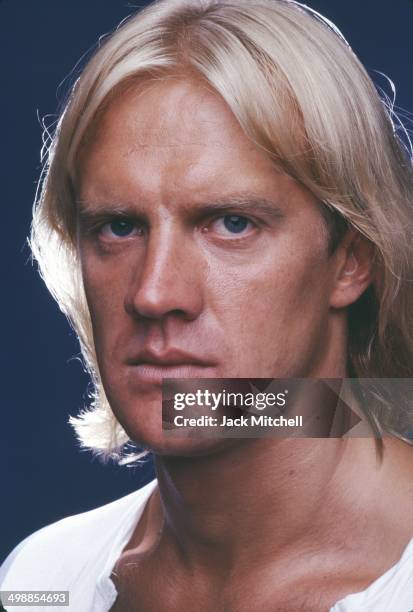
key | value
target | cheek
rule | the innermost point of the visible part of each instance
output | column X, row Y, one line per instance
column 104, row 284
column 280, row 280
column 282, row 297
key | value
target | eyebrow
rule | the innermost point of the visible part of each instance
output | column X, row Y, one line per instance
column 241, row 202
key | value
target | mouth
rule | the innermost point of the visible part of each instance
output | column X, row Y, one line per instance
column 151, row 368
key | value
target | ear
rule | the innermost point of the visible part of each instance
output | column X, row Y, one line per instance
column 354, row 269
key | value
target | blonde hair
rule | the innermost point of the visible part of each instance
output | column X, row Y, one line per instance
column 301, row 94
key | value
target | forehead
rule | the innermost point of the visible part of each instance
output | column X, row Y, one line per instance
column 174, row 108
column 173, row 140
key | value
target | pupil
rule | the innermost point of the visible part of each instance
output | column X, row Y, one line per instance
column 235, row 224
column 121, row 228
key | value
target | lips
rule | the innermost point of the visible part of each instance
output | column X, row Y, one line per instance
column 171, row 357
column 150, row 366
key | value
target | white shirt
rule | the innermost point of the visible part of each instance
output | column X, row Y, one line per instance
column 77, row 554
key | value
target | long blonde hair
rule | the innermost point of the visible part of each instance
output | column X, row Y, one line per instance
column 301, row 94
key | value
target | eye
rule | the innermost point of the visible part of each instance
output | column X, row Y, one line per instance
column 120, row 228
column 232, row 224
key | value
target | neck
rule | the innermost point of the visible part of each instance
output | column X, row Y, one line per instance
column 258, row 497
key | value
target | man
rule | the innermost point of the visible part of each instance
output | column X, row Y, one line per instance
column 226, row 198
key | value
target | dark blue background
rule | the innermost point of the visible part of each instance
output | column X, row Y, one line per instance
column 43, row 475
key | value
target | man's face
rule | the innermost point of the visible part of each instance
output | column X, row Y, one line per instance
column 199, row 258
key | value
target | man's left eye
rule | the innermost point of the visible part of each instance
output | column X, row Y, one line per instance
column 234, row 224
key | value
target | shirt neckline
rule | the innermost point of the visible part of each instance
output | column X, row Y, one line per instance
column 105, row 587
column 375, row 590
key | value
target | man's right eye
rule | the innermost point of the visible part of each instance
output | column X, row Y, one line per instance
column 120, row 228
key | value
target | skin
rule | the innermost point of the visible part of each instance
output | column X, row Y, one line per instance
column 179, row 278
column 269, row 301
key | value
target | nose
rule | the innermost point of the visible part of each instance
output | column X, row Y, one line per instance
column 167, row 281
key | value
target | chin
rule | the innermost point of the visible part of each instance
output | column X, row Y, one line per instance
column 163, row 443
column 142, row 422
